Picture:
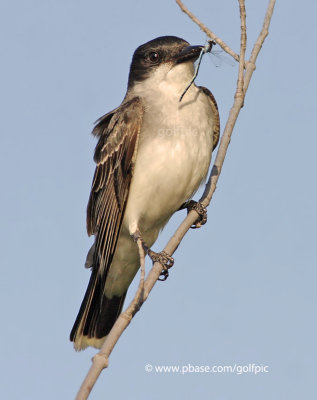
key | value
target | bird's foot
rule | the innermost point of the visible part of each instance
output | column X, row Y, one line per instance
column 200, row 209
column 165, row 260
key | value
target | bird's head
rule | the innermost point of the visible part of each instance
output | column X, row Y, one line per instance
column 166, row 58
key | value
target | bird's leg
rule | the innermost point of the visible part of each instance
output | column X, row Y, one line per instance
column 136, row 236
column 199, row 208
column 163, row 258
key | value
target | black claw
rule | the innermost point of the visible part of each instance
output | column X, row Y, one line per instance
column 164, row 275
column 165, row 260
column 201, row 210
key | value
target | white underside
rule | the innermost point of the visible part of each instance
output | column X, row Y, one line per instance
column 173, row 158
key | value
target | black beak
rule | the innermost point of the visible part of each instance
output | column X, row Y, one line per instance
column 189, row 53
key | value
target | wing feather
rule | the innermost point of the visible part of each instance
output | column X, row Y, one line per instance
column 214, row 107
column 115, row 154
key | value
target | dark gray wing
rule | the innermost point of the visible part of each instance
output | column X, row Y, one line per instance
column 214, row 107
column 115, row 153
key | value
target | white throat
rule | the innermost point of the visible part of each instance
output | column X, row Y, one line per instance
column 165, row 82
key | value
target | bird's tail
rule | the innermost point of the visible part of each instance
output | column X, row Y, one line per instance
column 96, row 316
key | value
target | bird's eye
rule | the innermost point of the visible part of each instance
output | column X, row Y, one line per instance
column 153, row 57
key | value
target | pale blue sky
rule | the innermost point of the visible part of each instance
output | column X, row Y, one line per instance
column 243, row 289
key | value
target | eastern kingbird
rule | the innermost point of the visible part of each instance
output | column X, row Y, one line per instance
column 153, row 153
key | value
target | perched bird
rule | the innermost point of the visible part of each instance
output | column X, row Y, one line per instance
column 153, row 153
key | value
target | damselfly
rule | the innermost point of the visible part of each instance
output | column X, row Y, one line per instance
column 216, row 57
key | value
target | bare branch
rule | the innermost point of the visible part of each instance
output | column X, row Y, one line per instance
column 243, row 46
column 207, row 31
column 258, row 44
column 100, row 360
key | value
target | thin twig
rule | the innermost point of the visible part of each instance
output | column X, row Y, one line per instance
column 250, row 65
column 243, row 46
column 100, row 360
column 207, row 31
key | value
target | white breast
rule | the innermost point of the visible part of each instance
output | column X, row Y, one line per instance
column 174, row 152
